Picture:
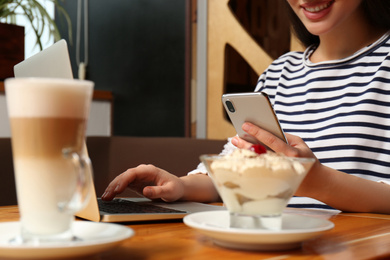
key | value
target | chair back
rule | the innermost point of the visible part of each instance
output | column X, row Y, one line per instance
column 7, row 181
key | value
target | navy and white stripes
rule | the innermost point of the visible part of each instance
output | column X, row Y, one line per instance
column 341, row 109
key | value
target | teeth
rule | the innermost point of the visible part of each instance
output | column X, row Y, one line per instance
column 318, row 8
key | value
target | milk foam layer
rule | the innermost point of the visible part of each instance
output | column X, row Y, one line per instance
column 257, row 184
column 34, row 91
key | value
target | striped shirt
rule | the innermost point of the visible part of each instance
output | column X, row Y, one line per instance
column 340, row 108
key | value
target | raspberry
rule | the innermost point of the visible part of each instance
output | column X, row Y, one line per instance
column 258, row 148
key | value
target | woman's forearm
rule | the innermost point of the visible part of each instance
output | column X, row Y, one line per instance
column 337, row 189
column 199, row 187
column 346, row 192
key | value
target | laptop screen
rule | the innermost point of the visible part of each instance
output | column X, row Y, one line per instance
column 52, row 62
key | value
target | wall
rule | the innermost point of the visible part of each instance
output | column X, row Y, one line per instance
column 99, row 122
column 137, row 51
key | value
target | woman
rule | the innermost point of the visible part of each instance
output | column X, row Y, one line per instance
column 335, row 96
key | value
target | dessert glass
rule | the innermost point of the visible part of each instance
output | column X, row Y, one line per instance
column 254, row 193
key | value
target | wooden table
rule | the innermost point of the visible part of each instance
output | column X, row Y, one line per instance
column 355, row 236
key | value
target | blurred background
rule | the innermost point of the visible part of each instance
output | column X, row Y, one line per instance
column 152, row 60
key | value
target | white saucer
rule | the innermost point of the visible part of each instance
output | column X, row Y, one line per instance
column 295, row 230
column 95, row 238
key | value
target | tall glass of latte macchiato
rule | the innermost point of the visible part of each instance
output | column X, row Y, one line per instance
column 53, row 175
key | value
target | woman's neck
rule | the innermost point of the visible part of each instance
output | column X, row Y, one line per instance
column 345, row 40
column 335, row 48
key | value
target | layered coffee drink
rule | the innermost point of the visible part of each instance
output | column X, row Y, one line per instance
column 48, row 123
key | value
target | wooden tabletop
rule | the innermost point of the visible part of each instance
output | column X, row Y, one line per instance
column 355, row 236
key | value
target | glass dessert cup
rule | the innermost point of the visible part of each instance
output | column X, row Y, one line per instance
column 256, row 189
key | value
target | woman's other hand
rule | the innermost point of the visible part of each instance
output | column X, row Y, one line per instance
column 149, row 181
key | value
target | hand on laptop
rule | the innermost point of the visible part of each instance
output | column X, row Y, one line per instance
column 149, row 181
column 156, row 183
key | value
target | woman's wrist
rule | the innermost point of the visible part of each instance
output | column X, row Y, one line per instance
column 315, row 184
column 198, row 187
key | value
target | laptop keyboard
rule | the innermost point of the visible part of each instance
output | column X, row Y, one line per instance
column 119, row 206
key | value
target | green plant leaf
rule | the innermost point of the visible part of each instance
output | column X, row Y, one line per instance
column 38, row 17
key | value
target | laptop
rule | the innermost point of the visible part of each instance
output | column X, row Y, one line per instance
column 54, row 62
column 139, row 209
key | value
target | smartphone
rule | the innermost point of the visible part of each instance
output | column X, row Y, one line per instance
column 253, row 107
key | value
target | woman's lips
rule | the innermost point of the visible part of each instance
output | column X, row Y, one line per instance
column 316, row 11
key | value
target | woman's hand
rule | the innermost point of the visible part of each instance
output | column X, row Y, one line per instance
column 149, row 181
column 296, row 147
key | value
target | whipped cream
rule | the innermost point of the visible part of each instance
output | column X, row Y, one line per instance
column 274, row 162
